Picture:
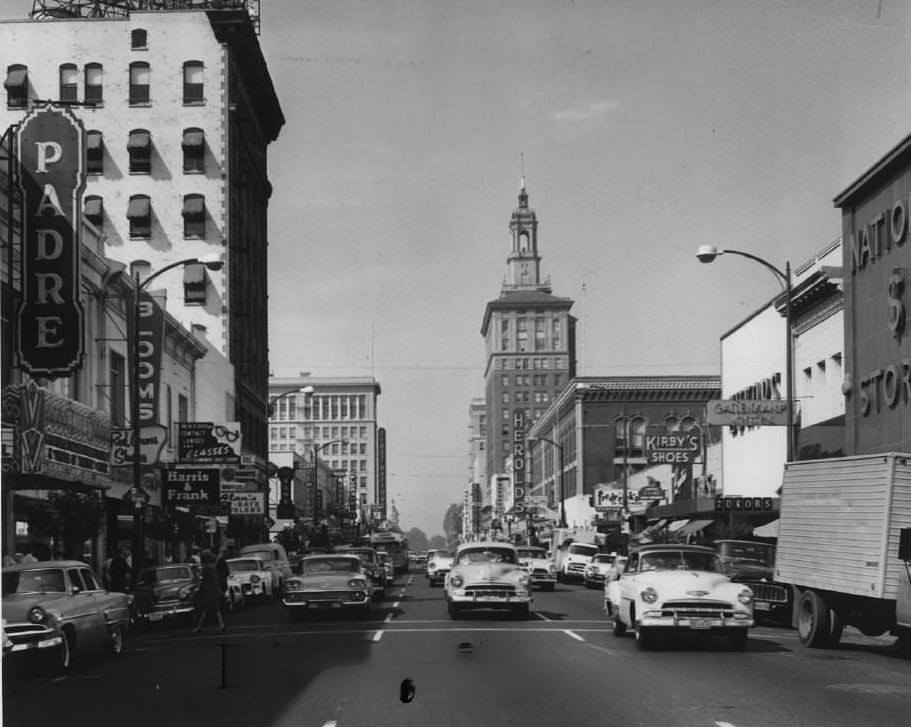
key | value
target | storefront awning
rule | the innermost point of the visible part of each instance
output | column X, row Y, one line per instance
column 769, row 530
column 676, row 525
column 694, row 526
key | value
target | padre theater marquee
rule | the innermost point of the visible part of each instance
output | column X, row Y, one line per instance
column 51, row 144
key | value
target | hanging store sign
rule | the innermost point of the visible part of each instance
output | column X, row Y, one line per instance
column 152, row 439
column 518, row 461
column 192, row 486
column 148, row 345
column 245, row 503
column 199, row 442
column 664, row 447
column 747, row 412
column 51, row 142
column 381, row 469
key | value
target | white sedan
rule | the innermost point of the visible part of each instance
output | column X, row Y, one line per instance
column 254, row 576
column 667, row 588
column 488, row 575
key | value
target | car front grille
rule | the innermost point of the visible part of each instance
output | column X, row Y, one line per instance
column 576, row 567
column 24, row 632
column 697, row 609
column 494, row 589
column 768, row 592
column 541, row 572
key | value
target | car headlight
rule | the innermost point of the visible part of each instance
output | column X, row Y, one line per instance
column 357, row 583
column 456, row 581
column 293, row 585
column 649, row 595
column 37, row 615
column 431, row 566
column 254, row 579
column 524, row 580
column 745, row 596
column 552, row 568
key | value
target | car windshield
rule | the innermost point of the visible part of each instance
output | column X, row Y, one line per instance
column 315, row 566
column 261, row 554
column 754, row 552
column 679, row 560
column 487, row 555
column 441, row 554
column 43, row 580
column 163, row 575
column 609, row 559
column 583, row 549
column 531, row 553
column 247, row 564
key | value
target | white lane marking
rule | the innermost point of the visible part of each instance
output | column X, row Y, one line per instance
column 723, row 724
column 388, row 618
column 330, row 723
column 575, row 636
column 396, row 604
column 377, row 636
column 540, row 615
column 604, row 649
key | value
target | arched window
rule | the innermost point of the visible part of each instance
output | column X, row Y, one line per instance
column 139, row 148
column 69, row 89
column 139, row 39
column 94, row 152
column 93, row 210
column 139, row 83
column 194, row 215
column 93, row 90
column 194, row 150
column 192, row 83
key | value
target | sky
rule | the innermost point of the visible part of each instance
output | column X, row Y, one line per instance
column 644, row 129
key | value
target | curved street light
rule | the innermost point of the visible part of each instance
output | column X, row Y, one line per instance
column 138, row 496
column 562, row 493
column 707, row 254
column 275, row 399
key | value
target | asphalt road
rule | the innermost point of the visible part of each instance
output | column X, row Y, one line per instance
column 562, row 666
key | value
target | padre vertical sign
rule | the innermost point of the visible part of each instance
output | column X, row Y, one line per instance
column 51, row 143
column 518, row 461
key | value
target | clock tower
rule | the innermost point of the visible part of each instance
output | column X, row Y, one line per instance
column 524, row 261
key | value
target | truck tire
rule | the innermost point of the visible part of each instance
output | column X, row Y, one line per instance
column 814, row 625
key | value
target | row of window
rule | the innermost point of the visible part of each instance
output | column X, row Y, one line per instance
column 525, row 364
column 522, row 334
column 315, row 406
column 140, row 74
column 139, row 215
column 524, row 397
column 139, row 149
column 530, row 380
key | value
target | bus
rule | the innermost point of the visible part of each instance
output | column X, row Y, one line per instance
column 395, row 545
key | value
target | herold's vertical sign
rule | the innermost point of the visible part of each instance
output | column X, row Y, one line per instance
column 518, row 461
column 51, row 143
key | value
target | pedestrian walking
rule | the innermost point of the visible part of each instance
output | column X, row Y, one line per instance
column 119, row 570
column 210, row 596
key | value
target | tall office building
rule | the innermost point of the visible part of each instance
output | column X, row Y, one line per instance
column 530, row 342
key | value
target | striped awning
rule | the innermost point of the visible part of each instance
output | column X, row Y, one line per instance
column 16, row 78
column 139, row 208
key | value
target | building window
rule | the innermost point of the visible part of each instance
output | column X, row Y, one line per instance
column 94, row 152
column 139, row 213
column 118, row 389
column 194, row 151
column 93, row 210
column 69, row 88
column 140, row 150
column 556, row 337
column 139, row 39
column 194, row 216
column 93, row 90
column 540, row 335
column 183, row 412
column 139, row 83
column 522, row 334
column 505, row 378
column 16, row 85
column 192, row 82
column 505, row 341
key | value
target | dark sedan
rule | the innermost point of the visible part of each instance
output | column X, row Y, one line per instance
column 166, row 592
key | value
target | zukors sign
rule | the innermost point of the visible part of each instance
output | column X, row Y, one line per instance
column 51, row 143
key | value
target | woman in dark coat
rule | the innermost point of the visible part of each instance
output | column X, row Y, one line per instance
column 209, row 596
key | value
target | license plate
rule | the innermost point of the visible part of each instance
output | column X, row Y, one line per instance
column 700, row 623
column 324, row 605
column 762, row 606
column 156, row 617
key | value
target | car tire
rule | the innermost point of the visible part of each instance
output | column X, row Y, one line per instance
column 619, row 627
column 645, row 638
column 455, row 611
column 737, row 639
column 118, row 638
column 814, row 627
column 62, row 658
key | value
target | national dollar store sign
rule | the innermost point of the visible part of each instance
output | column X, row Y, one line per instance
column 51, row 143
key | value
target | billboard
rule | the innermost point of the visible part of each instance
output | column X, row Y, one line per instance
column 199, row 442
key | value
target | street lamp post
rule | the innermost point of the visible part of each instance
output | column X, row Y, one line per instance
column 138, row 496
column 707, row 254
column 560, row 462
column 316, row 450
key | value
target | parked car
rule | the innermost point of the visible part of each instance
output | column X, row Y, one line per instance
column 58, row 609
column 668, row 588
column 166, row 593
column 602, row 567
column 752, row 563
column 488, row 575
column 254, row 577
column 336, row 582
column 372, row 566
column 439, row 562
column 536, row 561
column 275, row 558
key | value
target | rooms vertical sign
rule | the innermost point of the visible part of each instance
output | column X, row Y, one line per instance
column 51, row 144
